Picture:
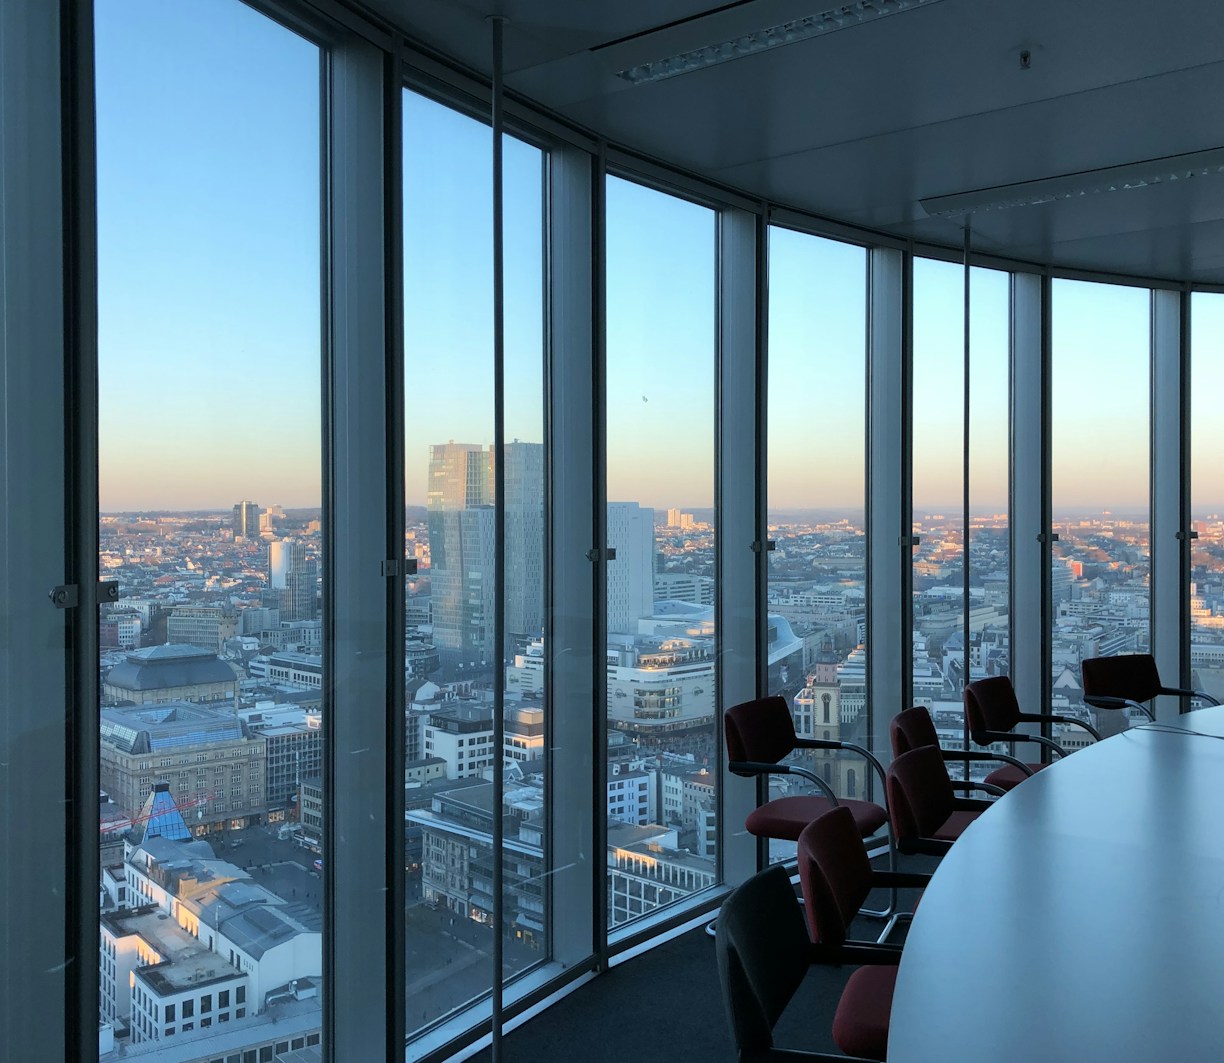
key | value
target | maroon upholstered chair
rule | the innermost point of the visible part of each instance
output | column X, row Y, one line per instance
column 760, row 735
column 763, row 955
column 927, row 816
column 913, row 728
column 837, row 876
column 1127, row 681
column 993, row 714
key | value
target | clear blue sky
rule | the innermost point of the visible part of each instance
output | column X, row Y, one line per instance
column 210, row 375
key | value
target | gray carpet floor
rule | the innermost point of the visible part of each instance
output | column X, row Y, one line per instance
column 665, row 1006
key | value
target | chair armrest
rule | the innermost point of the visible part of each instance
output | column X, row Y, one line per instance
column 924, row 846
column 968, row 785
column 972, row 804
column 797, row 1055
column 1184, row 692
column 857, row 953
column 968, row 755
column 866, row 754
column 759, row 767
column 984, row 738
column 899, row 880
column 1101, row 701
column 1049, row 717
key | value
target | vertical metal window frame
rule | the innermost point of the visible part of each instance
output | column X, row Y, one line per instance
column 740, row 555
column 889, row 521
column 41, row 1007
column 576, row 839
column 1030, row 548
column 362, row 657
column 1170, row 529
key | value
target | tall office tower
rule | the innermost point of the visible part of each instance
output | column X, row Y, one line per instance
column 294, row 579
column 524, row 471
column 673, row 518
column 460, row 521
column 459, row 518
column 631, row 574
column 246, row 520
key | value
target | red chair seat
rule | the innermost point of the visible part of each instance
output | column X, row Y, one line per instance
column 1009, row 776
column 955, row 825
column 860, row 1025
column 785, row 817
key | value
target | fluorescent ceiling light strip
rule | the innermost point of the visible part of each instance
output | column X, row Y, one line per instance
column 1163, row 171
column 800, row 29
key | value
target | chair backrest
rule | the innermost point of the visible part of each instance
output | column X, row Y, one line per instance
column 835, row 874
column 991, row 705
column 761, row 730
column 763, row 955
column 920, row 796
column 911, row 729
column 1133, row 676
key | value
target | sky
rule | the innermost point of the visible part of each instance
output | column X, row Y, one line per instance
column 210, row 369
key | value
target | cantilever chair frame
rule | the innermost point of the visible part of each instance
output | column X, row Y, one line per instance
column 1106, row 701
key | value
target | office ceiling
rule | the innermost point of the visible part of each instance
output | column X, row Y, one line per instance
column 862, row 124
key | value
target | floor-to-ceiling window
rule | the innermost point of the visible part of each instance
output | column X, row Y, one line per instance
column 661, row 659
column 210, row 456
column 1206, row 494
column 1099, row 423
column 960, row 595
column 816, row 487
column 452, row 656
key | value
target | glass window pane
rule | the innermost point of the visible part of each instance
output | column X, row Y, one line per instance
column 939, row 619
column 1207, row 494
column 662, row 831
column 209, row 479
column 816, row 492
column 1100, row 401
column 451, row 656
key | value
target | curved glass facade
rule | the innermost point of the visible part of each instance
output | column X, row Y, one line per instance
column 308, row 322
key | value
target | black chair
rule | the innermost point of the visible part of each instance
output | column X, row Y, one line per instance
column 927, row 816
column 1127, row 681
column 993, row 714
column 914, row 729
column 763, row 955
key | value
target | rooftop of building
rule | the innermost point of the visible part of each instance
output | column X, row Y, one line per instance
column 186, row 963
column 285, row 1021
column 168, row 726
column 170, row 666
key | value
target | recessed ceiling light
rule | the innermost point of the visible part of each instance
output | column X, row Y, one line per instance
column 799, row 29
column 1167, row 170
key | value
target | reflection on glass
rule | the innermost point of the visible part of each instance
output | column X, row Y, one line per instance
column 661, row 523
column 817, row 486
column 1207, row 494
column 209, row 478
column 1099, row 432
column 451, row 657
column 939, row 669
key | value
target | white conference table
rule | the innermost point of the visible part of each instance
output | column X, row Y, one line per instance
column 1081, row 917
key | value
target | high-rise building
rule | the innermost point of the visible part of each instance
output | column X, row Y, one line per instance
column 461, row 523
column 293, row 579
column 631, row 573
column 246, row 520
